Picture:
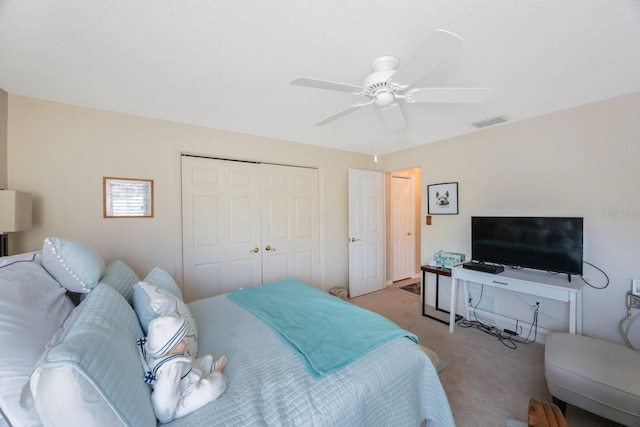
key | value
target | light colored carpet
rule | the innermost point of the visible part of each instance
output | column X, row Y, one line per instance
column 486, row 382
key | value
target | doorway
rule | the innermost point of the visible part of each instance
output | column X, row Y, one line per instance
column 403, row 225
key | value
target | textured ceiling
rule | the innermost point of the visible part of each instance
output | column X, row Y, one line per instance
column 228, row 64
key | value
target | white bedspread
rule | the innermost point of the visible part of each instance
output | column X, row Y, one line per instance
column 269, row 385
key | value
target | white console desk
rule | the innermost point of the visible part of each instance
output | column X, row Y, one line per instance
column 529, row 282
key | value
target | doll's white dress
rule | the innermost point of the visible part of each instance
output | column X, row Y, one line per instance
column 182, row 384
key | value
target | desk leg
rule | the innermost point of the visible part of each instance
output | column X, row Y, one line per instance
column 424, row 290
column 572, row 313
column 455, row 317
column 452, row 309
column 466, row 299
column 579, row 312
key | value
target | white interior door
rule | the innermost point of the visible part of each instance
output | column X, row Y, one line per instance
column 366, row 232
column 290, row 224
column 221, row 226
column 402, row 228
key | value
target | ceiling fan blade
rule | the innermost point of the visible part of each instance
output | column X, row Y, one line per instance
column 432, row 52
column 344, row 112
column 463, row 95
column 393, row 117
column 325, row 84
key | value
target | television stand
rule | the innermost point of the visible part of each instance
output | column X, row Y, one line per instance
column 530, row 282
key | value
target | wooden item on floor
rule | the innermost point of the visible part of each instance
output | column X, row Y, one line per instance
column 545, row 414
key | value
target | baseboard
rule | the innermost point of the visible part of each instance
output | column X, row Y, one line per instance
column 416, row 276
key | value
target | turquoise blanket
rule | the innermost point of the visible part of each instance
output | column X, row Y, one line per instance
column 328, row 332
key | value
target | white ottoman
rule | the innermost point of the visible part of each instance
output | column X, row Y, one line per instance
column 593, row 374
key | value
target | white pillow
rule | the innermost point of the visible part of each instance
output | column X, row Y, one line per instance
column 150, row 301
column 162, row 279
column 32, row 308
column 74, row 265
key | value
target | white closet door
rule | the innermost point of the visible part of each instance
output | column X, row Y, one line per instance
column 290, row 224
column 232, row 211
column 221, row 226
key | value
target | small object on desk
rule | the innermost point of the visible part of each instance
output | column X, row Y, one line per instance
column 438, row 271
column 485, row 268
column 439, row 258
column 451, row 258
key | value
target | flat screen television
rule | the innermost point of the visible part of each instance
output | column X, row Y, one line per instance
column 553, row 244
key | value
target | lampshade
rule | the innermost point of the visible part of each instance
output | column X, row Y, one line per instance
column 15, row 211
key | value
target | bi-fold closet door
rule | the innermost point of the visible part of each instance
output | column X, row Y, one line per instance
column 247, row 223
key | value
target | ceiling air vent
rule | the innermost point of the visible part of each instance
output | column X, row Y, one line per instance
column 490, row 122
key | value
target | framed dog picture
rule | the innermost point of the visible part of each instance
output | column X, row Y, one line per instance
column 443, row 199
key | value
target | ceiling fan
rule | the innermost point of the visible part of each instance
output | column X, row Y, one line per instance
column 388, row 83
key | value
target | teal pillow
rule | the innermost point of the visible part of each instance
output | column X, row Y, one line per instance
column 74, row 265
column 150, row 301
column 121, row 277
column 93, row 374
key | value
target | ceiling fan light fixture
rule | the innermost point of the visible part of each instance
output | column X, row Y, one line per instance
column 384, row 98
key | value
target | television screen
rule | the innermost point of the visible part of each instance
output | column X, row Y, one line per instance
column 544, row 243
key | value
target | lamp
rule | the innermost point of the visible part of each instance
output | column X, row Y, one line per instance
column 15, row 215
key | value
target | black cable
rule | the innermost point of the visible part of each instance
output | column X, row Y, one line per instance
column 33, row 257
column 507, row 339
column 601, row 271
column 516, row 267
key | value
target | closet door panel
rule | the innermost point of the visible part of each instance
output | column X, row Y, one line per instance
column 304, row 266
column 221, row 226
column 290, row 224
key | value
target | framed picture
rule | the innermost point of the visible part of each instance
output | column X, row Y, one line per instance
column 127, row 197
column 443, row 199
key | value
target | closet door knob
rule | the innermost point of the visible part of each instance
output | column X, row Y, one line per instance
column 269, row 248
column 353, row 239
column 255, row 250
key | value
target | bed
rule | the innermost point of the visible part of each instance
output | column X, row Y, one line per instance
column 78, row 364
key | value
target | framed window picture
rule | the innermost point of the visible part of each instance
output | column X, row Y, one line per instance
column 442, row 199
column 127, row 197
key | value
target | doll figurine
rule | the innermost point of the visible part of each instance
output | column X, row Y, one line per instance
column 180, row 383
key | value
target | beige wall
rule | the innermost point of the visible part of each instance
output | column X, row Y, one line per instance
column 579, row 162
column 64, row 151
column 4, row 109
